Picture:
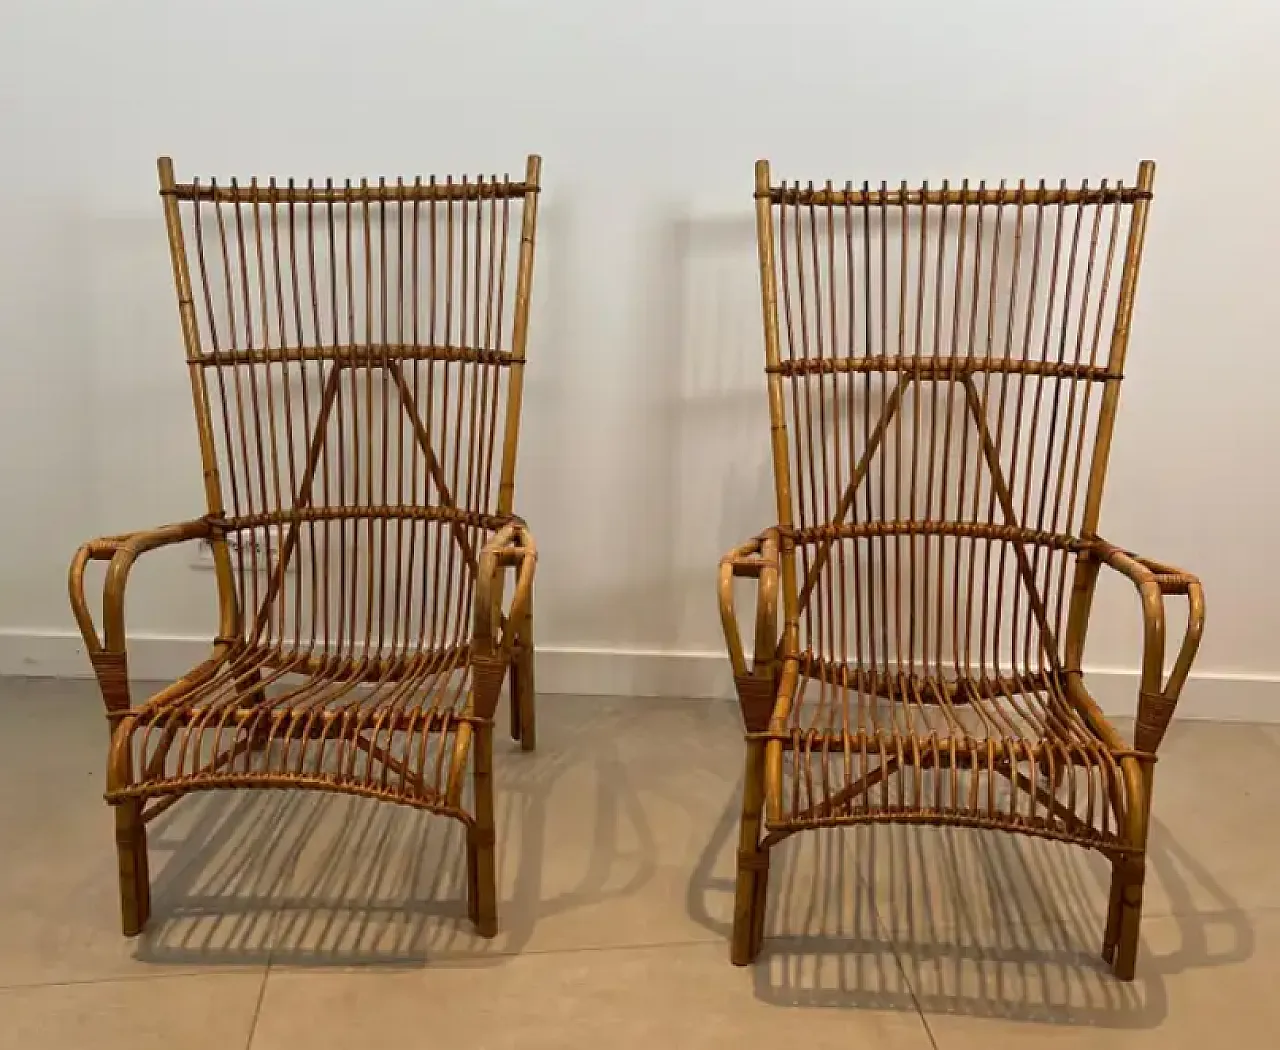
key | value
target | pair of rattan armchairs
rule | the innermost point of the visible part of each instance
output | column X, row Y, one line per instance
column 943, row 368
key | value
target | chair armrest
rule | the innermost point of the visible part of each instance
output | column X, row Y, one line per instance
column 512, row 545
column 107, row 649
column 493, row 631
column 756, row 559
column 1158, row 695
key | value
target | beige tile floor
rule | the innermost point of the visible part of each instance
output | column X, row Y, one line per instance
column 288, row 920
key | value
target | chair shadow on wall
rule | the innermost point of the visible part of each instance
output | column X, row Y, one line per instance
column 944, row 920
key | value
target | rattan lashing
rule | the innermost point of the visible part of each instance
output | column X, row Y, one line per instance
column 356, row 355
column 943, row 367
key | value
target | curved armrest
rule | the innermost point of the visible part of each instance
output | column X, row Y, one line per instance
column 1158, row 695
column 107, row 650
column 756, row 559
column 512, row 545
column 493, row 632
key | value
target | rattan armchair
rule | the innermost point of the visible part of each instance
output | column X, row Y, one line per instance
column 356, row 356
column 944, row 365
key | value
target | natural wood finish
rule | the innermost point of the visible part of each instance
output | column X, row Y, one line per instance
column 893, row 197
column 356, row 356
column 943, row 368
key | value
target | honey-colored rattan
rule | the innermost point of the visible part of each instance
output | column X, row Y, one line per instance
column 356, row 354
column 943, row 368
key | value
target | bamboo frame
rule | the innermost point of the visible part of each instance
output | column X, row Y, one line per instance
column 943, row 368
column 351, row 350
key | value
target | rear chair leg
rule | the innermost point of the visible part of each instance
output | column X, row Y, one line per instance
column 749, row 902
column 482, row 869
column 524, row 726
column 473, row 873
column 761, row 904
column 135, row 880
column 523, row 719
column 517, row 723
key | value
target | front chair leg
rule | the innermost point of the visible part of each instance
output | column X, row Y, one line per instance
column 750, row 895
column 1127, row 882
column 1111, row 938
column 1128, row 875
column 482, row 868
column 135, row 879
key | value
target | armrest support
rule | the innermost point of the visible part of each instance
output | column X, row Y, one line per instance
column 1158, row 695
column 493, row 631
column 756, row 559
column 107, row 649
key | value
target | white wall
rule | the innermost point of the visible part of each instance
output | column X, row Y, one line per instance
column 645, row 442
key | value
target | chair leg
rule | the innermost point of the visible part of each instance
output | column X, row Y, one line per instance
column 135, row 879
column 749, row 902
column 523, row 720
column 473, row 877
column 524, row 724
column 1126, row 895
column 517, row 723
column 761, row 905
column 1111, row 938
column 482, row 868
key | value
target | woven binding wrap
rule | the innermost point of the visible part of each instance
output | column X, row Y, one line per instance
column 112, row 670
column 1154, row 712
column 755, row 697
column 488, row 673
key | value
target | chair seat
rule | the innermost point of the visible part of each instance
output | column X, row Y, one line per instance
column 262, row 717
column 1010, row 752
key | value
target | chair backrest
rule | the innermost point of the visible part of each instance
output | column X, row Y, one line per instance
column 943, row 365
column 356, row 355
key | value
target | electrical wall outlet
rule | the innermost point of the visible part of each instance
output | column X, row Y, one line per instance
column 260, row 547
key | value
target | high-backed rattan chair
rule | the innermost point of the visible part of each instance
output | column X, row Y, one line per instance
column 356, row 355
column 944, row 365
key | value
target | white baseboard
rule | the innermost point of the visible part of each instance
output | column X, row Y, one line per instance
column 631, row 672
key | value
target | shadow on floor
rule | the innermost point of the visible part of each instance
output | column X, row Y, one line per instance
column 314, row 879
column 957, row 921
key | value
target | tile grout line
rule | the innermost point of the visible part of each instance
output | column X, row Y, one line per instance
column 130, row 978
column 892, row 942
column 897, row 961
column 257, row 1007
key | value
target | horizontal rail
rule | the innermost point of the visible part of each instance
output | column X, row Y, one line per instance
column 965, row 529
column 947, row 368
column 891, row 684
column 347, row 193
column 371, row 353
column 167, row 788
column 337, row 667
column 284, row 723
column 413, row 512
column 958, row 817
column 1018, row 195
column 985, row 750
